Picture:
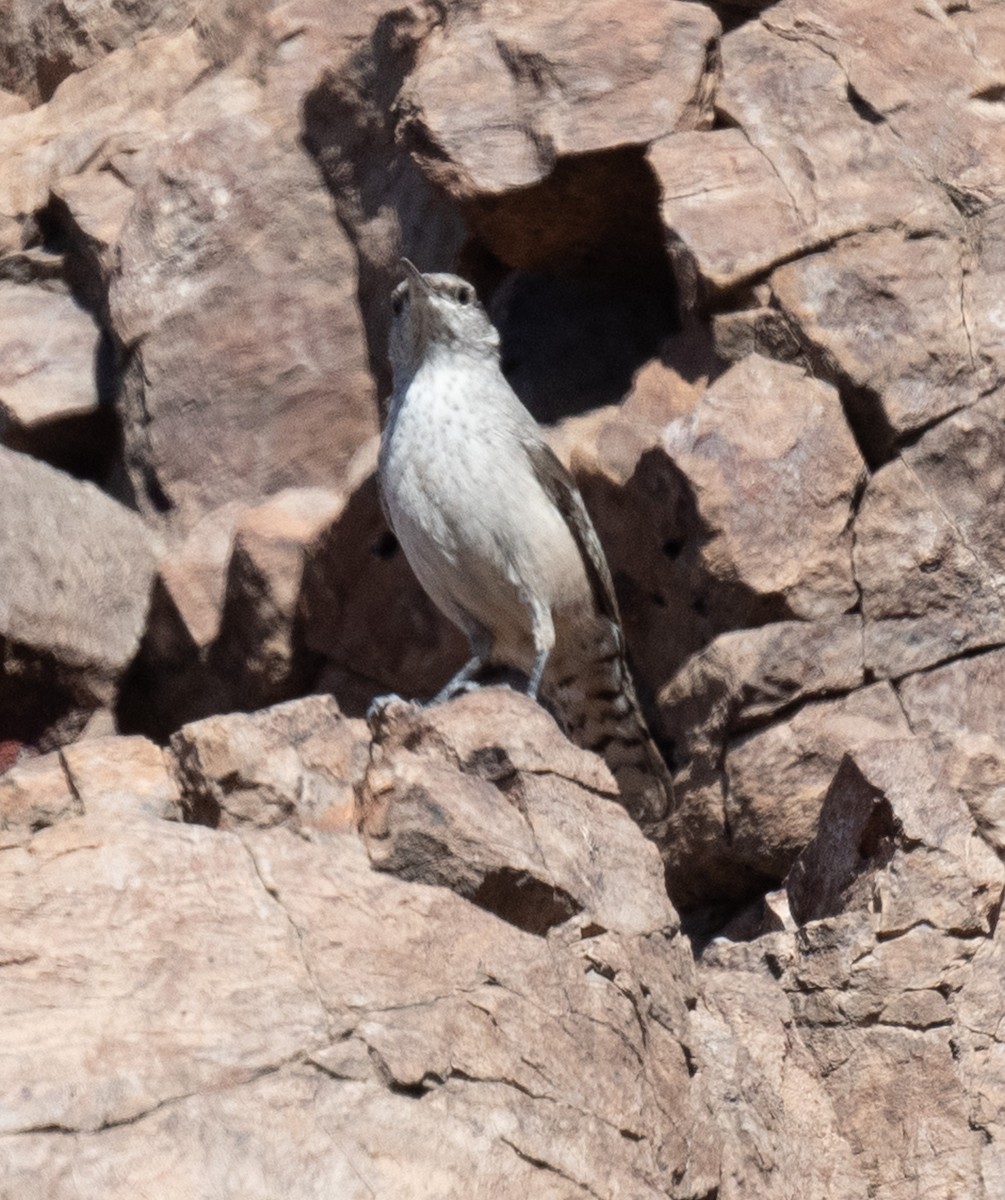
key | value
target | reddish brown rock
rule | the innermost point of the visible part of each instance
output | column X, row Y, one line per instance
column 251, row 372
column 927, row 552
column 887, row 312
column 542, row 84
column 801, row 170
column 77, row 568
column 949, row 122
column 762, row 434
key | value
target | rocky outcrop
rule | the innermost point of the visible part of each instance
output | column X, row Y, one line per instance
column 747, row 262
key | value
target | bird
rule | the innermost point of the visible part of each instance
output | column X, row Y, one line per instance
column 497, row 534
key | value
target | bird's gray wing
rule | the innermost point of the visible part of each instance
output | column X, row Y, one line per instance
column 561, row 489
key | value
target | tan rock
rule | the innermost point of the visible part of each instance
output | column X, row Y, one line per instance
column 294, row 764
column 145, row 934
column 47, row 385
column 741, row 1009
column 927, row 554
column 125, row 94
column 42, row 47
column 949, row 121
column 802, row 169
column 122, row 777
column 778, row 777
column 34, row 794
column 237, row 202
column 540, row 84
column 761, row 436
column 744, row 678
column 516, row 830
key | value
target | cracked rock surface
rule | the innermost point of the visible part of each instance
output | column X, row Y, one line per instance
column 747, row 263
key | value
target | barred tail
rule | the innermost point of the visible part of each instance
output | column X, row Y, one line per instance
column 589, row 688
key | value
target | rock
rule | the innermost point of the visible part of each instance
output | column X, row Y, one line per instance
column 890, row 802
column 508, row 830
column 760, row 536
column 82, row 128
column 745, row 678
column 230, row 394
column 748, row 804
column 926, row 549
column 886, row 310
column 78, row 568
column 739, row 1009
column 296, row 764
column 39, row 48
column 49, row 404
column 949, row 126
column 199, row 928
column 34, row 794
column 801, row 170
column 540, row 85
column 122, row 777
column 260, row 647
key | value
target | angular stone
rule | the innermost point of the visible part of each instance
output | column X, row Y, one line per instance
column 927, row 554
column 296, row 764
column 260, row 647
column 895, row 841
column 122, row 777
column 507, row 831
column 228, row 353
column 78, row 569
column 34, row 794
column 47, row 350
column 764, row 534
column 886, row 310
column 40, row 47
column 778, row 777
column 802, row 170
column 950, row 121
column 540, row 84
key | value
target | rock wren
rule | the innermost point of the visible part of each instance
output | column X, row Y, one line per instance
column 497, row 533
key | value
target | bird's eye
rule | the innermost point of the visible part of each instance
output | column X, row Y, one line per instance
column 465, row 294
column 398, row 303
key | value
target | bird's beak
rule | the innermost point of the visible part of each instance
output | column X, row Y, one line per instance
column 415, row 277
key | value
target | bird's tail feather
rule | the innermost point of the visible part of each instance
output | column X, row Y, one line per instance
column 589, row 688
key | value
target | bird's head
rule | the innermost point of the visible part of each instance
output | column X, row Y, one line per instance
column 431, row 313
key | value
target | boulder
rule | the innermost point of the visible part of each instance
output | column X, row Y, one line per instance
column 78, row 568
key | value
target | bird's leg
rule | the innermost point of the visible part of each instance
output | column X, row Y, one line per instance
column 481, row 648
column 543, row 632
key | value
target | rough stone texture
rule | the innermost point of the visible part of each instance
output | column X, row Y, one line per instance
column 511, row 828
column 77, row 569
column 41, row 45
column 248, row 373
column 544, row 83
column 927, row 552
column 295, row 764
column 48, row 390
column 756, row 275
column 765, row 534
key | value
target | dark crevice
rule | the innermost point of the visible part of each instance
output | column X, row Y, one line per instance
column 863, row 108
column 523, row 901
